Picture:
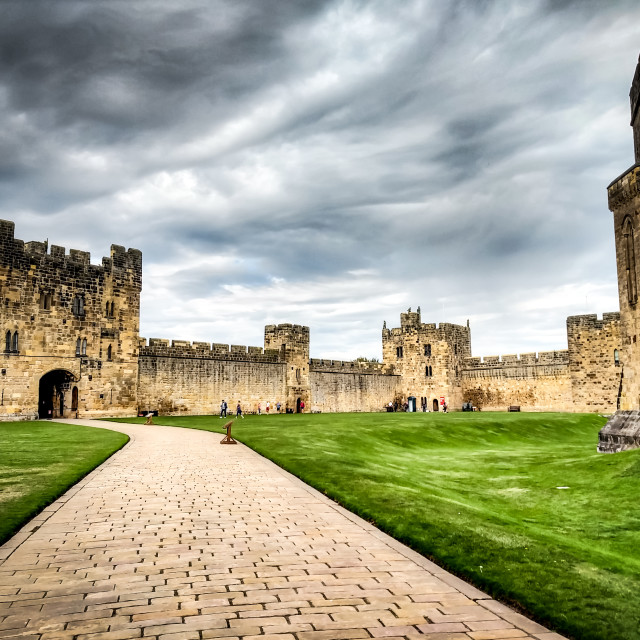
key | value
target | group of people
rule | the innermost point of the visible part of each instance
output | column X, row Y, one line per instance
column 224, row 407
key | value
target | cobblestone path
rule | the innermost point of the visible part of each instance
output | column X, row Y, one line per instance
column 179, row 537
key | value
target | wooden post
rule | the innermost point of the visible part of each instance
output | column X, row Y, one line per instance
column 228, row 439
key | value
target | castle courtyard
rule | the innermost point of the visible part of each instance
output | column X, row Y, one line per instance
column 138, row 549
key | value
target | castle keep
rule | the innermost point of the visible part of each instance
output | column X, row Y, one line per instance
column 72, row 348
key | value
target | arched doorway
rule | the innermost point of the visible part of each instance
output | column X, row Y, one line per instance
column 53, row 386
column 74, row 399
column 435, row 404
column 298, row 405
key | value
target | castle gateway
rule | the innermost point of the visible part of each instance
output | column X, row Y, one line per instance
column 72, row 348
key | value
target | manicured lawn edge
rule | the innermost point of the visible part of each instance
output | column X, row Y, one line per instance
column 36, row 501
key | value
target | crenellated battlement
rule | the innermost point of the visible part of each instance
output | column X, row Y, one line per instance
column 350, row 366
column 18, row 254
column 160, row 347
column 591, row 321
column 543, row 358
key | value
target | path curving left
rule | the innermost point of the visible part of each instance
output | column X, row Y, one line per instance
column 177, row 537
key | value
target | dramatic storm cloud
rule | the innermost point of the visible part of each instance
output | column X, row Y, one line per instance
column 327, row 163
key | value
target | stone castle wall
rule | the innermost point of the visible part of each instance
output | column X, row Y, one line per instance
column 532, row 382
column 185, row 378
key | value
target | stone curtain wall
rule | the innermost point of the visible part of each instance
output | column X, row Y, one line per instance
column 534, row 383
column 185, row 378
column 595, row 376
column 40, row 290
column 344, row 386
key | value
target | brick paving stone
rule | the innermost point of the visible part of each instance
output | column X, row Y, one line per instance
column 216, row 542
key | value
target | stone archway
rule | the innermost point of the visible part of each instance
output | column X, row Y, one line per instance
column 53, row 386
column 435, row 404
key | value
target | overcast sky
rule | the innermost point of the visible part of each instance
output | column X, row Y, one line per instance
column 327, row 163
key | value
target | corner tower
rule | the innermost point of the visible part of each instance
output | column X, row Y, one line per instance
column 623, row 430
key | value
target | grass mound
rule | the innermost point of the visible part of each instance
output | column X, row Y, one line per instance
column 39, row 461
column 521, row 505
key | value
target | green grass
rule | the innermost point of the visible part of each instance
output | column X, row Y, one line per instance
column 478, row 494
column 39, row 461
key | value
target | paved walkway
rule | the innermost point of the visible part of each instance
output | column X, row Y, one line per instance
column 178, row 537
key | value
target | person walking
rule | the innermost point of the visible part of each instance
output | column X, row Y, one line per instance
column 268, row 406
column 259, row 409
column 239, row 412
column 278, row 405
column 223, row 409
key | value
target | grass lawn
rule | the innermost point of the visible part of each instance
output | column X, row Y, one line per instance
column 478, row 493
column 39, row 461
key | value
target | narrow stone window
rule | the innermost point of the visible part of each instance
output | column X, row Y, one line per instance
column 111, row 310
column 84, row 347
column 109, row 352
column 14, row 344
column 616, row 357
column 630, row 261
column 455, row 349
column 398, row 352
column 77, row 306
column 106, row 311
column 426, row 371
column 45, row 301
column 7, row 343
column 427, row 350
column 78, row 346
column 430, row 372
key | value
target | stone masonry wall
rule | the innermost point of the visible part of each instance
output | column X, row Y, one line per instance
column 69, row 329
column 185, row 378
column 334, row 391
column 534, row 383
column 594, row 362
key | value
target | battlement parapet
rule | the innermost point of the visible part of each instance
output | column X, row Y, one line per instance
column 184, row 349
column 544, row 358
column 20, row 254
column 591, row 320
column 350, row 366
column 624, row 188
column 441, row 330
column 287, row 328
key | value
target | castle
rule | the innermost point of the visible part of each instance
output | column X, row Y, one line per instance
column 72, row 348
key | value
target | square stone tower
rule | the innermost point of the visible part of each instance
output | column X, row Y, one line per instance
column 69, row 329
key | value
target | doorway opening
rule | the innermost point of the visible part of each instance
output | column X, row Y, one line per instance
column 298, row 405
column 51, row 397
column 435, row 404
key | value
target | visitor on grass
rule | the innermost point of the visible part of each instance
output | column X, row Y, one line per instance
column 278, row 405
column 259, row 409
column 223, row 409
column 267, row 407
column 239, row 412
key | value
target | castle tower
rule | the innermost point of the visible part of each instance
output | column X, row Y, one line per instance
column 623, row 431
column 429, row 359
column 69, row 329
column 292, row 341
